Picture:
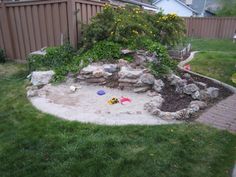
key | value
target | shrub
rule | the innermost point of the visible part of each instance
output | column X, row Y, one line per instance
column 59, row 59
column 103, row 50
column 126, row 24
column 2, row 56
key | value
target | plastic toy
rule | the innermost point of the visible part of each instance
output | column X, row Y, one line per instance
column 124, row 99
column 113, row 101
column 101, row 92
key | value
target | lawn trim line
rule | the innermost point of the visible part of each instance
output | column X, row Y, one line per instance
column 190, row 58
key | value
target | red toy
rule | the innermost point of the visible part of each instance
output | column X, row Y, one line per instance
column 124, row 99
column 187, row 67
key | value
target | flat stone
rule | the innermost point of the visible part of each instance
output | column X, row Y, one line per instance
column 126, row 80
column 200, row 104
column 190, row 89
column 98, row 72
column 126, row 72
column 110, row 68
column 89, row 69
column 126, row 51
column 141, row 89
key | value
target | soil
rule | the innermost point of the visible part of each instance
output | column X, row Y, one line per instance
column 174, row 101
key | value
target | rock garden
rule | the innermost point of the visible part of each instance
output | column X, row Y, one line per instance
column 122, row 77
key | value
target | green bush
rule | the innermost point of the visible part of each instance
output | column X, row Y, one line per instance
column 105, row 50
column 60, row 59
column 2, row 56
column 126, row 24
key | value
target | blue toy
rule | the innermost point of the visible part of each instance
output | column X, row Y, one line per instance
column 101, row 92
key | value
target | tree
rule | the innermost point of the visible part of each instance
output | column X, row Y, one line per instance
column 228, row 8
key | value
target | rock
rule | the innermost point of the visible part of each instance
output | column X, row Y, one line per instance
column 190, row 89
column 187, row 76
column 110, row 68
column 154, row 105
column 203, row 95
column 200, row 104
column 32, row 93
column 89, row 69
column 179, row 115
column 147, row 79
column 152, row 93
column 141, row 89
column 139, row 59
column 152, row 58
column 96, row 80
column 213, row 92
column 98, row 72
column 122, row 62
column 158, row 85
column 126, row 80
column 196, row 95
column 126, row 51
column 39, row 78
column 201, row 85
column 126, row 72
column 180, row 84
column 171, row 77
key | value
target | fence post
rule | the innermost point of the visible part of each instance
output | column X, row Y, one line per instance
column 6, row 31
column 72, row 23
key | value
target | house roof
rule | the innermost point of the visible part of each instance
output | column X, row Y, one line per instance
column 198, row 5
column 137, row 3
column 180, row 2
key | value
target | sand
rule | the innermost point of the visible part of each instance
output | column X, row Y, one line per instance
column 84, row 105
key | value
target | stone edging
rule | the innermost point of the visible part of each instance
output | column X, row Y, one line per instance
column 191, row 57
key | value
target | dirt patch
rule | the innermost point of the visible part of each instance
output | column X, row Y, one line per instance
column 173, row 100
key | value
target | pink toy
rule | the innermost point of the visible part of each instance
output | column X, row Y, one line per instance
column 187, row 67
column 124, row 99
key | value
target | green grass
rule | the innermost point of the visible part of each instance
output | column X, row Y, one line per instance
column 34, row 144
column 213, row 45
column 217, row 59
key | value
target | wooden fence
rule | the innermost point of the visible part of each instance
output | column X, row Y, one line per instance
column 29, row 26
column 211, row 27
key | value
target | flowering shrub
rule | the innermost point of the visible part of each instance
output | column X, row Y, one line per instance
column 124, row 24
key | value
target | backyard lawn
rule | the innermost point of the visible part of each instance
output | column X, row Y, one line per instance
column 37, row 144
column 217, row 59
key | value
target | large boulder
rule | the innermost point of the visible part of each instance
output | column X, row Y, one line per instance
column 158, row 85
column 126, row 72
column 147, row 79
column 190, row 89
column 39, row 78
column 154, row 105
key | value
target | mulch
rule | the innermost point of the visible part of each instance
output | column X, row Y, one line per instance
column 174, row 101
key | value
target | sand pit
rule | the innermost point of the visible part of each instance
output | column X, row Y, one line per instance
column 86, row 106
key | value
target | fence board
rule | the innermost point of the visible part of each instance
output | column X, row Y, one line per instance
column 36, row 24
column 211, row 27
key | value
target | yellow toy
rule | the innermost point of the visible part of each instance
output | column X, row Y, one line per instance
column 113, row 101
